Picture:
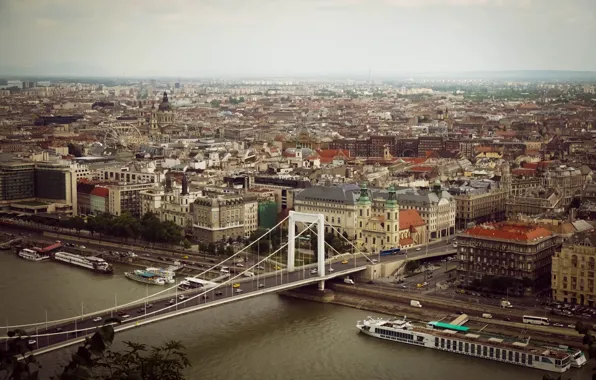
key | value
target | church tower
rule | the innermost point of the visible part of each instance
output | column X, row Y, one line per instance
column 364, row 209
column 506, row 179
column 153, row 126
column 391, row 220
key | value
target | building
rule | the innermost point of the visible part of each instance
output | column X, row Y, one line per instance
column 218, row 217
column 126, row 198
column 56, row 182
column 478, row 202
column 173, row 203
column 573, row 271
column 124, row 174
column 17, row 181
column 516, row 251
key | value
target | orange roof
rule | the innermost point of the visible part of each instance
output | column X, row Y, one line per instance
column 101, row 192
column 536, row 165
column 421, row 169
column 509, row 231
column 414, row 160
column 409, row 218
column 333, row 152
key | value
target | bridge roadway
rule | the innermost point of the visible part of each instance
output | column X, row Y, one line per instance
column 58, row 336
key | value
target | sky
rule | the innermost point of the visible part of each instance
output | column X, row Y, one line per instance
column 294, row 37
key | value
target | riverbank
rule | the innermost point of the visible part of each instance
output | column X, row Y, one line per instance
column 378, row 305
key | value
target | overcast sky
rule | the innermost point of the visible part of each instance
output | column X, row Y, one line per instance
column 295, row 37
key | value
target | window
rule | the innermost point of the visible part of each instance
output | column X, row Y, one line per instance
column 523, row 358
column 436, row 342
column 484, row 351
column 472, row 348
column 448, row 344
column 510, row 356
column 461, row 346
column 491, row 352
column 530, row 359
column 467, row 347
column 442, row 343
column 517, row 357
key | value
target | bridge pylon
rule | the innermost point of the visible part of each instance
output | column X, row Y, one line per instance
column 302, row 217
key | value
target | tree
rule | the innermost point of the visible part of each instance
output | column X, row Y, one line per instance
column 186, row 244
column 229, row 250
column 211, row 248
column 412, row 265
column 588, row 340
column 95, row 360
column 221, row 250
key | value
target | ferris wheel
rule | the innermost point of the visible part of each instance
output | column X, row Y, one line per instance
column 125, row 135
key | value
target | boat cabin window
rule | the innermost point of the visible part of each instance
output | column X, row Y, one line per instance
column 436, row 342
column 491, row 352
column 510, row 356
column 504, row 355
column 442, row 342
column 498, row 353
column 546, row 360
column 517, row 357
column 461, row 346
column 467, row 347
column 448, row 344
column 530, row 359
column 558, row 362
column 473, row 348
column 484, row 350
column 420, row 339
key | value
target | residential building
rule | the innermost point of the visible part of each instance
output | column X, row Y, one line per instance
column 221, row 216
column 17, row 181
column 573, row 271
column 519, row 251
column 479, row 202
column 126, row 198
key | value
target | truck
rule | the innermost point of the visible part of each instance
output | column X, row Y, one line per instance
column 415, row 303
column 505, row 303
column 348, row 281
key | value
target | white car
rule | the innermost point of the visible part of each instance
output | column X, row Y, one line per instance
column 261, row 285
column 181, row 297
column 125, row 316
column 96, row 319
column 331, row 269
column 240, row 265
column 31, row 341
column 238, row 290
column 314, row 271
column 261, row 267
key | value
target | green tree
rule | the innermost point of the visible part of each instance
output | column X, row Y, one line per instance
column 95, row 360
column 215, row 103
column 412, row 266
column 588, row 340
column 211, row 248
column 221, row 250
column 229, row 251
column 186, row 244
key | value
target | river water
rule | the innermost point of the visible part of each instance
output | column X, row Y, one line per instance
column 265, row 338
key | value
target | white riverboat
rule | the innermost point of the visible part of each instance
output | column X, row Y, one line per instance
column 31, row 255
column 470, row 344
column 88, row 262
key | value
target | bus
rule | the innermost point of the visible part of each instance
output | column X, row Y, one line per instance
column 392, row 251
column 536, row 320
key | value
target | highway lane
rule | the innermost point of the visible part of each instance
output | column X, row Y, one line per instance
column 60, row 333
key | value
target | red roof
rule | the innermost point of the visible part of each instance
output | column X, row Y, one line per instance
column 536, row 165
column 406, row 241
column 333, row 152
column 414, row 160
column 509, row 231
column 421, row 169
column 409, row 218
column 101, row 192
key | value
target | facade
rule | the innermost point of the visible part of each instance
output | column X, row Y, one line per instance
column 126, row 198
column 128, row 176
column 17, row 181
column 99, row 200
column 479, row 207
column 221, row 216
column 513, row 250
column 573, row 271
column 56, row 182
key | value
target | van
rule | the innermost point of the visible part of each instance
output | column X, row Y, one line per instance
column 487, row 316
column 414, row 303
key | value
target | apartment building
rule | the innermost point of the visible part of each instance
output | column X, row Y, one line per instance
column 478, row 202
column 125, row 174
column 573, row 271
column 218, row 217
column 518, row 251
column 126, row 198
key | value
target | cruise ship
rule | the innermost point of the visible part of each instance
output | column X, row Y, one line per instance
column 167, row 274
column 146, row 277
column 470, row 344
column 90, row 262
column 29, row 254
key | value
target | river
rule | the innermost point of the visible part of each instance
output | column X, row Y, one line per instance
column 265, row 338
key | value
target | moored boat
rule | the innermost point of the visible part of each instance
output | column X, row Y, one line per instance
column 31, row 255
column 167, row 274
column 145, row 277
column 470, row 344
column 88, row 262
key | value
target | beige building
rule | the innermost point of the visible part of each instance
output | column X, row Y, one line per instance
column 479, row 208
column 573, row 271
column 221, row 216
column 126, row 198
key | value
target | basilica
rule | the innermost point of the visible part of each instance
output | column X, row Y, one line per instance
column 161, row 118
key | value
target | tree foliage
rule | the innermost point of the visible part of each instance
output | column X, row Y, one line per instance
column 95, row 360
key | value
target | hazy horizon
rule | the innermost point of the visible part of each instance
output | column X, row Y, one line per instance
column 301, row 38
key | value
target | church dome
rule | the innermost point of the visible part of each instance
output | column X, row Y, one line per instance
column 165, row 104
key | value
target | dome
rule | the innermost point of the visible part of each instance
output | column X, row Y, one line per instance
column 165, row 104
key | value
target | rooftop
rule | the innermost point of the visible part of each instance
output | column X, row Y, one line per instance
column 509, row 231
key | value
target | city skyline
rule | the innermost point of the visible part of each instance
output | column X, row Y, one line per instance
column 294, row 38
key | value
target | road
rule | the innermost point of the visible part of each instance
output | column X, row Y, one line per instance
column 62, row 332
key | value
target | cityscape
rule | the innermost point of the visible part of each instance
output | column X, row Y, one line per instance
column 266, row 213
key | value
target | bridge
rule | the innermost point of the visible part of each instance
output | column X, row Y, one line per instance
column 53, row 335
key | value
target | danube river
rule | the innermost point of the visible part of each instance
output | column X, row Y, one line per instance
column 265, row 338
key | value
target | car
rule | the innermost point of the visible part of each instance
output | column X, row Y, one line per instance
column 125, row 316
column 149, row 306
column 31, row 341
column 374, row 261
column 558, row 325
column 219, row 293
column 261, row 285
column 344, row 262
column 331, row 269
column 182, row 297
column 236, row 286
column 96, row 319
column 238, row 290
column 314, row 271
column 240, row 265
column 58, row 329
column 82, row 247
column 121, row 313
column 418, row 249
column 261, row 267
column 571, row 326
column 172, row 301
column 141, row 310
column 277, row 267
